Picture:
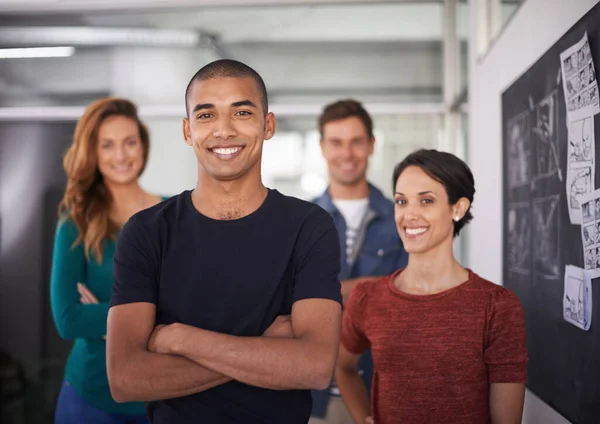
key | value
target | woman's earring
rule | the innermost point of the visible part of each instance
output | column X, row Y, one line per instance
column 456, row 218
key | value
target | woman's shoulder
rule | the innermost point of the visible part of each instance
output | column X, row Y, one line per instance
column 498, row 295
column 66, row 224
column 67, row 233
column 372, row 287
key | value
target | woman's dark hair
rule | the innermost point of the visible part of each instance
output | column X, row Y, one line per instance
column 446, row 169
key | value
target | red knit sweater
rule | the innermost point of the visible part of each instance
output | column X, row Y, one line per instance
column 436, row 355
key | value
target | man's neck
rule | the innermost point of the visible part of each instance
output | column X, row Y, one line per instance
column 338, row 191
column 228, row 200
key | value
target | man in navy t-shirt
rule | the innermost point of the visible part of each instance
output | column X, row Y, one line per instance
column 226, row 303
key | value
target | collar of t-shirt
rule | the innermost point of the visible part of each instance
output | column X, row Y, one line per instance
column 353, row 210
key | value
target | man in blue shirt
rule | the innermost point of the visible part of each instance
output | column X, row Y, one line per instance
column 364, row 218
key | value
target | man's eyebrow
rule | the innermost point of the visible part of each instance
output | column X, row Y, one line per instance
column 203, row 106
column 240, row 103
column 244, row 103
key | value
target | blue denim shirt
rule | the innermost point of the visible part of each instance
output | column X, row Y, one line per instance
column 380, row 252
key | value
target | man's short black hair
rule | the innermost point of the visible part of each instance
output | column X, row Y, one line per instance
column 446, row 169
column 229, row 68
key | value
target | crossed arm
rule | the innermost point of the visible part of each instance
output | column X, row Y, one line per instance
column 146, row 364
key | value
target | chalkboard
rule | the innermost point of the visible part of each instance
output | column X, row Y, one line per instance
column 539, row 239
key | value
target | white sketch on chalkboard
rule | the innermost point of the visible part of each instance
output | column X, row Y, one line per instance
column 519, row 238
column 584, row 76
column 593, row 95
column 580, row 185
column 589, row 205
column 587, row 211
column 589, row 235
column 572, row 91
column 519, row 150
column 574, row 300
column 570, row 65
column 546, row 235
column 574, row 84
column 590, row 258
column 580, row 167
column 581, row 141
column 579, row 82
column 585, row 98
column 580, row 182
column 546, row 132
column 585, row 50
column 577, row 297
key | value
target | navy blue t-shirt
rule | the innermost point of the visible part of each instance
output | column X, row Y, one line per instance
column 233, row 277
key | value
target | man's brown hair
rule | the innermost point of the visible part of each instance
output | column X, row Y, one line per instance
column 343, row 109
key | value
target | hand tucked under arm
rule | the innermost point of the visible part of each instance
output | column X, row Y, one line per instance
column 87, row 297
column 135, row 374
column 304, row 361
column 140, row 374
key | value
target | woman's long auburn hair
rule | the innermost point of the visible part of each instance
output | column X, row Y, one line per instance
column 87, row 200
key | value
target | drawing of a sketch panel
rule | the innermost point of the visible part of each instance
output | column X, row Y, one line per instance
column 546, row 233
column 519, row 150
column 579, row 182
column 573, row 303
column 545, row 136
column 581, row 139
column 519, row 238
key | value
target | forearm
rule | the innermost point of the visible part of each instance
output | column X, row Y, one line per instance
column 506, row 403
column 145, row 376
column 82, row 321
column 354, row 393
column 272, row 363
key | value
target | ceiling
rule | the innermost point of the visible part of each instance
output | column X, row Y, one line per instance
column 365, row 22
column 368, row 49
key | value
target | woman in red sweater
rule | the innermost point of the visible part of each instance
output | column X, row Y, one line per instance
column 448, row 346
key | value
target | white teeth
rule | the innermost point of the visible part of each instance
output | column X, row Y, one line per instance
column 415, row 231
column 227, row 150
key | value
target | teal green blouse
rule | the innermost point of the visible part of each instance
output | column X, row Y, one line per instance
column 85, row 324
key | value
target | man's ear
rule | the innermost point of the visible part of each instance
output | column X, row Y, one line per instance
column 187, row 134
column 270, row 125
column 372, row 149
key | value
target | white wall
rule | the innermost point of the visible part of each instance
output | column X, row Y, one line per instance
column 536, row 26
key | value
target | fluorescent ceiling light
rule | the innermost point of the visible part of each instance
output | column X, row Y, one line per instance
column 36, row 52
column 96, row 36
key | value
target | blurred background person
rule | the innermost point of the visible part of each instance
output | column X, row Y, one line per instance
column 109, row 152
column 364, row 219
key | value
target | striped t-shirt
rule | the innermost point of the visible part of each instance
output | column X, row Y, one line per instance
column 353, row 211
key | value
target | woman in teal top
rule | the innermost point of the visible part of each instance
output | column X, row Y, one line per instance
column 109, row 152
